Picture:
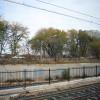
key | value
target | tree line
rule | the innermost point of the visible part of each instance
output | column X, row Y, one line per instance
column 48, row 42
column 11, row 35
column 58, row 43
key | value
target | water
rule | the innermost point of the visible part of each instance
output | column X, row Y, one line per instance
column 41, row 72
column 18, row 67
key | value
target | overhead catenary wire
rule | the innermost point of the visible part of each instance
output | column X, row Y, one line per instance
column 68, row 9
column 58, row 13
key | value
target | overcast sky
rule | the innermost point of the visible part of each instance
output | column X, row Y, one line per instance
column 36, row 19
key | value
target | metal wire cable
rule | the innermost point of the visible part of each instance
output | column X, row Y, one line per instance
column 58, row 13
column 71, row 10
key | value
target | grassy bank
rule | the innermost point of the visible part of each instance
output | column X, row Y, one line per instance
column 49, row 61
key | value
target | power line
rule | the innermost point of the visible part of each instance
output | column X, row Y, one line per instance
column 71, row 10
column 58, row 13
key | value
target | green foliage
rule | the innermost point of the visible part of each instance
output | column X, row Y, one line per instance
column 3, row 35
column 73, row 42
column 83, row 42
column 17, row 33
column 11, row 35
column 51, row 40
column 95, row 48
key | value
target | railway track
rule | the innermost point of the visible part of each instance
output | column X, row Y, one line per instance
column 87, row 92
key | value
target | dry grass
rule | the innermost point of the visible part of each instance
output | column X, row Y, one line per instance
column 48, row 61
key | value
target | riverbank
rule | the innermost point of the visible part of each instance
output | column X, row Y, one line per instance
column 18, row 67
column 47, row 61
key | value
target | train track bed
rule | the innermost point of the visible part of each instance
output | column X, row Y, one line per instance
column 85, row 92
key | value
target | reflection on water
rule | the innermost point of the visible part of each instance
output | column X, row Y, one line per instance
column 40, row 74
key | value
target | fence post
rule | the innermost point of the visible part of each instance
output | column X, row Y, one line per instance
column 49, row 77
column 96, row 72
column 25, row 78
column 68, row 74
column 84, row 72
